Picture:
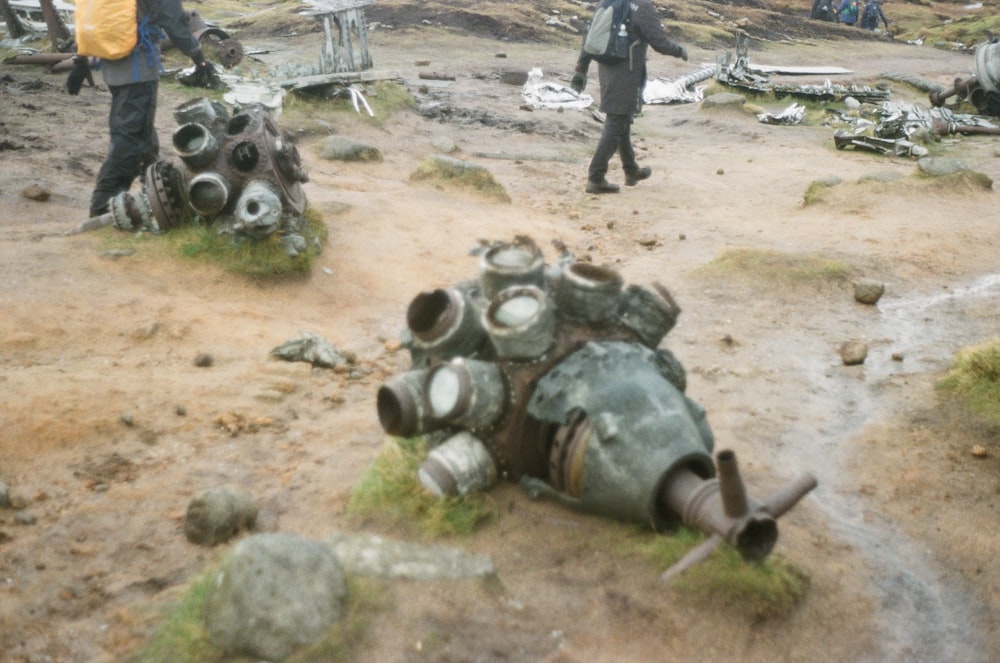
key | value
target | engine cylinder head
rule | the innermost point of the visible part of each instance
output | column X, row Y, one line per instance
column 506, row 265
column 195, row 145
column 208, row 193
column 588, row 293
column 402, row 410
column 466, row 392
column 444, row 323
column 521, row 323
column 459, row 466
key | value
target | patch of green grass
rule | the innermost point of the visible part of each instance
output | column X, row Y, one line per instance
column 963, row 179
column 264, row 259
column 390, row 491
column 453, row 172
column 776, row 266
column 765, row 589
column 183, row 637
column 815, row 192
column 974, row 378
column 365, row 596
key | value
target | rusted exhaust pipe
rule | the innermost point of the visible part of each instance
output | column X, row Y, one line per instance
column 734, row 494
column 195, row 145
column 401, row 405
column 466, row 392
column 445, row 324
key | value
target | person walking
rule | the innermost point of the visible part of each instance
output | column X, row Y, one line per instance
column 621, row 95
column 133, row 81
column 871, row 14
column 847, row 12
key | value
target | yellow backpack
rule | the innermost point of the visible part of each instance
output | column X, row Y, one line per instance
column 106, row 28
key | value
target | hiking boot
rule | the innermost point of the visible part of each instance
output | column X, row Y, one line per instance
column 633, row 178
column 601, row 186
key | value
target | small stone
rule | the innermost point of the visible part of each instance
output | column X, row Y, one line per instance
column 204, row 360
column 682, row 237
column 647, row 240
column 852, row 103
column 979, row 451
column 36, row 192
column 868, row 292
column 24, row 518
column 897, row 356
column 393, row 345
column 128, row 419
column 180, row 410
column 721, row 171
column 853, row 353
column 4, row 495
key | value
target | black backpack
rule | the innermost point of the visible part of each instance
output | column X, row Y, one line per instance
column 607, row 37
column 869, row 18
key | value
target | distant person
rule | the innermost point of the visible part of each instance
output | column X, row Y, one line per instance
column 847, row 12
column 621, row 96
column 823, row 10
column 133, row 81
column 871, row 14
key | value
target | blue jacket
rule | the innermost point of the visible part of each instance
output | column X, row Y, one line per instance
column 850, row 17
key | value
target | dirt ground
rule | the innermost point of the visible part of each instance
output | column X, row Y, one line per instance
column 899, row 540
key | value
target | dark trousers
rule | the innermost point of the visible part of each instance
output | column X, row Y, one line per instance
column 616, row 137
column 134, row 144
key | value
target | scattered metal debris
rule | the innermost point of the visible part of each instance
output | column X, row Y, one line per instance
column 540, row 94
column 740, row 74
column 982, row 88
column 794, row 114
column 552, row 375
column 899, row 147
column 680, row 90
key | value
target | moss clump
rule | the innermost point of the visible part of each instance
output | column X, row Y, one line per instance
column 780, row 267
column 183, row 637
column 461, row 174
column 974, row 378
column 765, row 589
column 391, row 491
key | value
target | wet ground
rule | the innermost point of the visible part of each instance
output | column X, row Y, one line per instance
column 897, row 540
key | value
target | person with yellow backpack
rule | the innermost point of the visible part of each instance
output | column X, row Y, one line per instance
column 123, row 38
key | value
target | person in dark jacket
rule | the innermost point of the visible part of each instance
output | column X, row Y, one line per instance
column 871, row 14
column 621, row 96
column 133, row 81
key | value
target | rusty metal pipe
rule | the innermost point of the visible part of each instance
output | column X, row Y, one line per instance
column 961, row 87
column 942, row 127
column 401, row 405
column 59, row 34
column 782, row 501
column 731, row 488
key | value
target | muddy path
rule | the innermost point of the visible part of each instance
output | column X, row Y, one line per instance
column 897, row 540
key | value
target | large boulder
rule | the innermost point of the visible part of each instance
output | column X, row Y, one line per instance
column 274, row 594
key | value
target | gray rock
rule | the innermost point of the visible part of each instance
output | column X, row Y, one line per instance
column 24, row 518
column 217, row 515
column 829, row 181
column 852, row 103
column 867, row 291
column 312, row 348
column 369, row 555
column 853, row 353
column 883, row 176
column 724, row 99
column 341, row 148
column 36, row 192
column 940, row 166
column 274, row 594
column 4, row 496
column 443, row 144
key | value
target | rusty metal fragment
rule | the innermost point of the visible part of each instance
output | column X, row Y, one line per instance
column 982, row 88
column 553, row 376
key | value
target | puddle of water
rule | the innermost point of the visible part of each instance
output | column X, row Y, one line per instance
column 924, row 616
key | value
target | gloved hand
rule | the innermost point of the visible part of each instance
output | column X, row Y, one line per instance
column 579, row 82
column 682, row 53
column 204, row 73
column 79, row 73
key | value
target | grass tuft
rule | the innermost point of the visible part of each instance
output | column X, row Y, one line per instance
column 974, row 378
column 183, row 637
column 765, row 589
column 453, row 172
column 774, row 266
column 390, row 490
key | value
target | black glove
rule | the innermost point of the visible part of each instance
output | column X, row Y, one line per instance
column 579, row 82
column 79, row 73
column 682, row 53
column 204, row 73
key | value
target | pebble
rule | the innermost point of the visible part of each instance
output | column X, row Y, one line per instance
column 979, row 451
column 36, row 192
column 204, row 360
column 853, row 353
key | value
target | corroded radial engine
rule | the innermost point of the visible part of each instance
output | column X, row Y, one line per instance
column 552, row 375
column 239, row 173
